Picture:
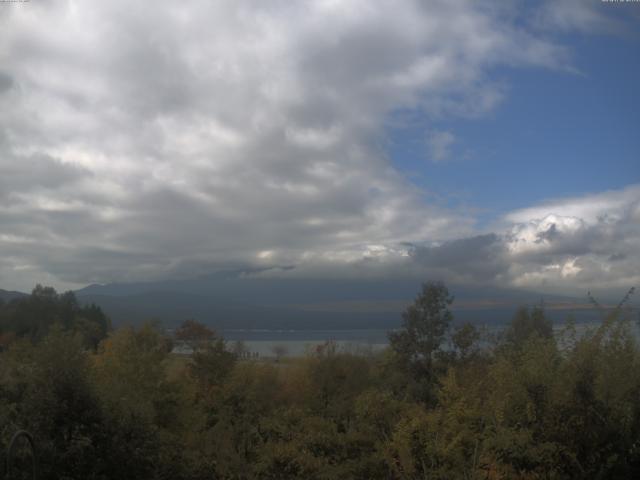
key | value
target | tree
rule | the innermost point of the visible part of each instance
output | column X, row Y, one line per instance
column 92, row 324
column 130, row 366
column 195, row 334
column 142, row 406
column 50, row 394
column 212, row 364
column 34, row 315
column 424, row 326
column 237, row 417
column 279, row 351
column 464, row 339
column 526, row 323
column 239, row 349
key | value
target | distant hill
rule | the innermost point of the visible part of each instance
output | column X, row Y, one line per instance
column 235, row 300
column 7, row 295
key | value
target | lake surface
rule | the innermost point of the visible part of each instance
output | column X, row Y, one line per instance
column 299, row 342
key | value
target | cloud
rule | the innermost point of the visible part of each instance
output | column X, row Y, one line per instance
column 577, row 242
column 613, row 204
column 439, row 144
column 29, row 175
column 589, row 16
column 6, row 82
column 471, row 260
column 568, row 245
column 144, row 141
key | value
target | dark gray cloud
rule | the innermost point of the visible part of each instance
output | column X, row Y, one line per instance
column 475, row 259
column 26, row 174
column 6, row 82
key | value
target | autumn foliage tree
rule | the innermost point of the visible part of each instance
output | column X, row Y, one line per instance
column 194, row 334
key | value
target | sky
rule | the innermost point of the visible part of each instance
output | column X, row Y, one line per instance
column 479, row 143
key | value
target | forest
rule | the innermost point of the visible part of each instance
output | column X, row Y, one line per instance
column 443, row 401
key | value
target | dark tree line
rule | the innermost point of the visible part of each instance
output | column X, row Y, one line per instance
column 34, row 315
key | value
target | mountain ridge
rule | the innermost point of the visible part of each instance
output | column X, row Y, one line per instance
column 8, row 295
column 235, row 300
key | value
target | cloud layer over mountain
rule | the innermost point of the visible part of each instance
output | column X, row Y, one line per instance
column 145, row 141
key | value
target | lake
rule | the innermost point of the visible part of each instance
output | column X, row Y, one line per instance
column 299, row 342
